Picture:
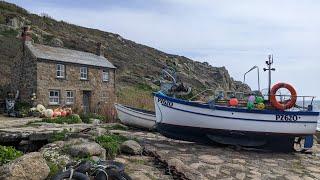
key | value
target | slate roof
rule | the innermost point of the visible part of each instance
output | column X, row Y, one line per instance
column 68, row 55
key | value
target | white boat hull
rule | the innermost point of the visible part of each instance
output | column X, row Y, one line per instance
column 179, row 113
column 133, row 117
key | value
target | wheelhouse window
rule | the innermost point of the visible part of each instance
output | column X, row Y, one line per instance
column 84, row 73
column 54, row 97
column 69, row 97
column 60, row 71
column 105, row 75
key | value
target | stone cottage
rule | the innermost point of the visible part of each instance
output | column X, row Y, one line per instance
column 57, row 76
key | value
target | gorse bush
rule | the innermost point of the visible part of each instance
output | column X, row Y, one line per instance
column 72, row 119
column 111, row 143
column 8, row 154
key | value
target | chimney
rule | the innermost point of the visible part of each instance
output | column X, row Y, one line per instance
column 99, row 50
column 26, row 34
column 26, row 37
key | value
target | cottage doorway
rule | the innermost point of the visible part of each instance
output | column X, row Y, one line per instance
column 86, row 101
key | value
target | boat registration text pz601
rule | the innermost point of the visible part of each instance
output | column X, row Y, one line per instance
column 281, row 117
column 165, row 102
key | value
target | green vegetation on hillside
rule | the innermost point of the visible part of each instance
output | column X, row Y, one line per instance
column 9, row 33
column 138, row 66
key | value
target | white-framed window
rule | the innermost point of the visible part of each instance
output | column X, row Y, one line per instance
column 69, row 97
column 54, row 97
column 60, row 71
column 84, row 73
column 105, row 75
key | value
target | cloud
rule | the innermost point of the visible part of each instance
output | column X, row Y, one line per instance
column 235, row 34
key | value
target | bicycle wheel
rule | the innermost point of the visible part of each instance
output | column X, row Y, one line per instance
column 66, row 175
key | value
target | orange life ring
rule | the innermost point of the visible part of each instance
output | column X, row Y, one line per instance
column 288, row 104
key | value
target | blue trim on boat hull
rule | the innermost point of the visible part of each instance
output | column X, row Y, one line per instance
column 206, row 106
column 244, row 119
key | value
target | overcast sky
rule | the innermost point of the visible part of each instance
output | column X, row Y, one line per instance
column 230, row 33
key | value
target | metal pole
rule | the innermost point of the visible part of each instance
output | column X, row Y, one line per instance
column 258, row 78
column 269, row 63
column 258, row 71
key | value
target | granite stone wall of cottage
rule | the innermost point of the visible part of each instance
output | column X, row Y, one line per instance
column 101, row 92
column 24, row 75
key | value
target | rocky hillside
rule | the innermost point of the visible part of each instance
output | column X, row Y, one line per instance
column 137, row 65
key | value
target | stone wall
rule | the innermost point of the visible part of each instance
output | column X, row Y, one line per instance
column 103, row 92
column 24, row 75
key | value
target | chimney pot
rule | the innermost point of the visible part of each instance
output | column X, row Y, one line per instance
column 99, row 50
column 26, row 34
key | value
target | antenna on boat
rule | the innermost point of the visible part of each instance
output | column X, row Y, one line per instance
column 269, row 63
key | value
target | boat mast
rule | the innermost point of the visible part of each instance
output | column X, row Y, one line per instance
column 269, row 63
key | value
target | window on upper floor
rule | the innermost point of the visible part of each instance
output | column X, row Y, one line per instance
column 69, row 97
column 54, row 97
column 84, row 73
column 60, row 71
column 105, row 75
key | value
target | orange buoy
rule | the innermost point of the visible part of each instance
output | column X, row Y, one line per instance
column 233, row 102
column 287, row 104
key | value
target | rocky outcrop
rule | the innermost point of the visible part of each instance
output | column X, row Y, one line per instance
column 131, row 147
column 87, row 149
column 30, row 166
column 56, row 42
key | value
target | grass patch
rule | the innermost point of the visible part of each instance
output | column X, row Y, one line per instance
column 23, row 108
column 54, row 169
column 2, row 19
column 144, row 87
column 8, row 154
column 9, row 33
column 87, row 118
column 72, row 119
column 47, row 38
column 59, row 136
column 111, row 143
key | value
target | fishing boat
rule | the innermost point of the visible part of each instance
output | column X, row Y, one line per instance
column 276, row 121
column 136, row 117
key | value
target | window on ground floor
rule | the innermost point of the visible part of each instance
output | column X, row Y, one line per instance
column 69, row 97
column 54, row 97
